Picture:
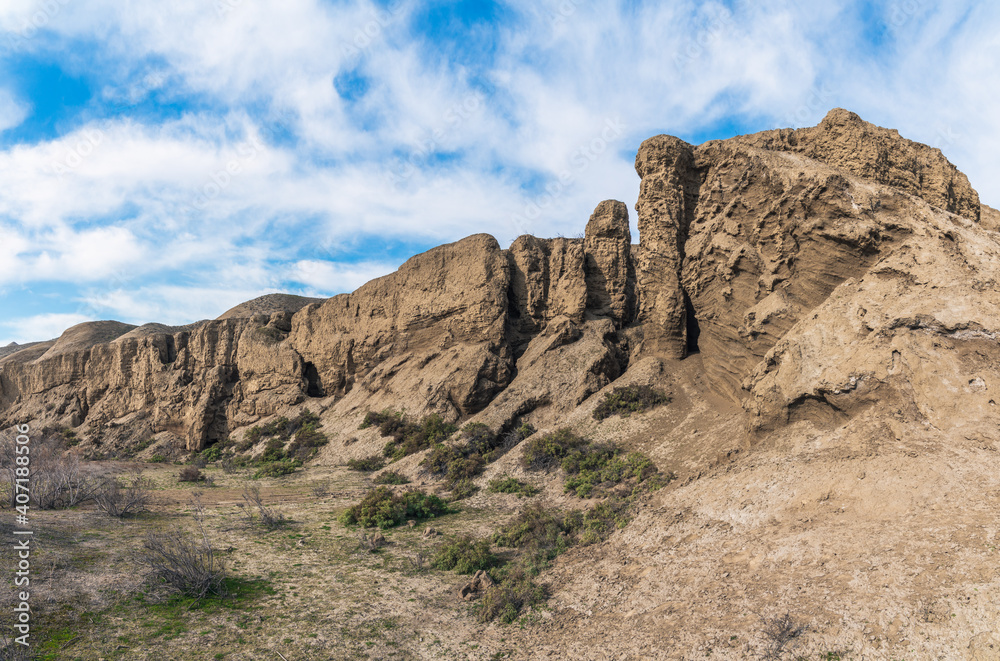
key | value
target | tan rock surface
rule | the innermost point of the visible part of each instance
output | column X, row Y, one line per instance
column 821, row 305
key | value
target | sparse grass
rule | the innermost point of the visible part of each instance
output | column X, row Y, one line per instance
column 627, row 400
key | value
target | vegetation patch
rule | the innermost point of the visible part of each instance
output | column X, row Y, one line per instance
column 460, row 462
column 508, row 484
column 384, row 508
column 367, row 464
column 391, row 477
column 590, row 467
column 298, row 438
column 408, row 437
column 466, row 555
column 515, row 590
column 627, row 400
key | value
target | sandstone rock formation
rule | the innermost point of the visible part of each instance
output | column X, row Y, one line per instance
column 803, row 266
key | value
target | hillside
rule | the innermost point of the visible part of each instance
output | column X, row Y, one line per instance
column 820, row 307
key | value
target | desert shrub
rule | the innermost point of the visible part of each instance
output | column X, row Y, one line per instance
column 157, row 459
column 58, row 479
column 525, row 430
column 383, row 508
column 597, row 523
column 124, row 497
column 256, row 513
column 212, row 453
column 545, row 533
column 515, row 590
column 465, row 555
column 276, row 468
column 232, row 465
column 321, row 488
column 588, row 466
column 600, row 464
column 547, row 451
column 308, row 439
column 376, row 418
column 508, row 484
column 777, row 632
column 185, row 564
column 274, row 450
column 479, row 438
column 408, row 437
column 463, row 489
column 367, row 464
column 190, row 474
column 391, row 477
column 301, row 435
column 627, row 400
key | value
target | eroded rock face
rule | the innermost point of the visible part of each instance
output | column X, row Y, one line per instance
column 610, row 271
column 667, row 199
column 432, row 335
column 816, row 271
column 846, row 142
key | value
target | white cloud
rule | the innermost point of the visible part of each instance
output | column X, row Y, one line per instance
column 328, row 278
column 39, row 327
column 432, row 152
column 12, row 111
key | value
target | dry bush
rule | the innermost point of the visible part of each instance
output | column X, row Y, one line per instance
column 128, row 496
column 58, row 478
column 321, row 489
column 256, row 513
column 185, row 563
column 777, row 632
column 190, row 474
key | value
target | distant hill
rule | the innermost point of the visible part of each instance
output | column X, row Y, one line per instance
column 269, row 304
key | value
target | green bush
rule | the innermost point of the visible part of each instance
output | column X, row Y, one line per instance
column 391, row 477
column 508, row 484
column 597, row 523
column 465, row 555
column 408, row 437
column 515, row 590
column 627, row 400
column 276, row 468
column 157, row 459
column 547, row 451
column 588, row 466
column 367, row 464
column 383, row 508
column 212, row 453
column 540, row 530
column 302, row 431
column 463, row 489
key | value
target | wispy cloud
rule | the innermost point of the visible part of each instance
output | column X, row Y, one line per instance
column 227, row 149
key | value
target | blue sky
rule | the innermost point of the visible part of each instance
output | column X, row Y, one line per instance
column 165, row 161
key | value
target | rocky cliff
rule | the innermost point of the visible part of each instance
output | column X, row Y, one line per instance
column 813, row 271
